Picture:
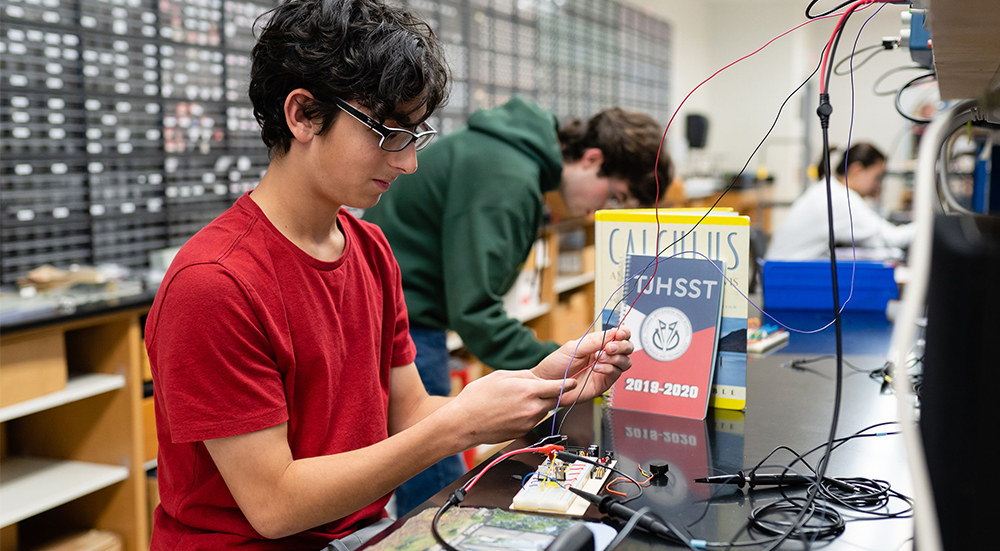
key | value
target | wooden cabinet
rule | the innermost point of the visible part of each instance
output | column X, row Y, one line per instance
column 72, row 457
column 567, row 293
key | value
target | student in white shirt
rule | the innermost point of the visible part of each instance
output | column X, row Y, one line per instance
column 804, row 234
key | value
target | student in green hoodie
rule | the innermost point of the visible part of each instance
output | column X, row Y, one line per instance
column 462, row 226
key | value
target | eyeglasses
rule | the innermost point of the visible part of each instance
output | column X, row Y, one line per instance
column 393, row 139
column 618, row 200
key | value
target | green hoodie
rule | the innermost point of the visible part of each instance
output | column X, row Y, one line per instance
column 462, row 225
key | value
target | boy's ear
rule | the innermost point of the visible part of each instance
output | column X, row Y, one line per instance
column 592, row 157
column 302, row 127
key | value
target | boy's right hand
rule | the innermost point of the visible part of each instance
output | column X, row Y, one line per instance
column 505, row 405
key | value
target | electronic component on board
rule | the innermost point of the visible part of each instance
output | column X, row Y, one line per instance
column 547, row 489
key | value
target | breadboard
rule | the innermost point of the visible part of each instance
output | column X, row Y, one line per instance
column 544, row 495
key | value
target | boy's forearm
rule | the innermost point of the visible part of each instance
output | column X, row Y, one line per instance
column 428, row 406
column 313, row 491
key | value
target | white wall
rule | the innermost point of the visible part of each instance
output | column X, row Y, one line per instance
column 746, row 97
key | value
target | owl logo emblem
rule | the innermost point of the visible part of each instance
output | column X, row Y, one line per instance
column 666, row 334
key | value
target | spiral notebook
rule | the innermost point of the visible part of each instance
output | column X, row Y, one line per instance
column 675, row 320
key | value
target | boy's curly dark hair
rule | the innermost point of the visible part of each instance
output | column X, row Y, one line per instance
column 379, row 55
column 629, row 141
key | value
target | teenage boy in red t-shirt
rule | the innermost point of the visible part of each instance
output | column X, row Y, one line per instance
column 288, row 406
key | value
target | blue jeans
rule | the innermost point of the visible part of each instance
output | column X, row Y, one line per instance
column 432, row 363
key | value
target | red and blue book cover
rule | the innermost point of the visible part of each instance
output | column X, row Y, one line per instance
column 675, row 330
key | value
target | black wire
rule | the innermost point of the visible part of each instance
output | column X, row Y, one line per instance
column 863, row 486
column 832, row 527
column 878, row 49
column 661, row 251
column 899, row 94
column 864, row 501
column 833, row 52
column 627, row 529
column 802, row 361
column 893, row 71
column 828, row 12
column 806, row 509
column 872, row 495
column 742, row 170
column 675, row 532
column 840, row 32
column 437, row 516
column 859, row 434
column 799, row 529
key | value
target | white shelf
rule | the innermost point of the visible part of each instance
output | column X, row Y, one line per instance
column 453, row 341
column 77, row 388
column 568, row 283
column 151, row 464
column 529, row 313
column 31, row 486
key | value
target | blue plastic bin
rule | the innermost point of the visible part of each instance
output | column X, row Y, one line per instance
column 806, row 285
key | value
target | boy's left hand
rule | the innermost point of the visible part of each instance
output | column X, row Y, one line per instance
column 611, row 363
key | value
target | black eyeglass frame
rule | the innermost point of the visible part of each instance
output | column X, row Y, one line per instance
column 384, row 131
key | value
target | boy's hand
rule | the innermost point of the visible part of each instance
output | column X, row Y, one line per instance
column 507, row 404
column 611, row 363
column 504, row 405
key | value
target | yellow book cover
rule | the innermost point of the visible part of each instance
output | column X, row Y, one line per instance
column 722, row 235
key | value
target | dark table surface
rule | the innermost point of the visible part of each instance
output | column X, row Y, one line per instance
column 785, row 407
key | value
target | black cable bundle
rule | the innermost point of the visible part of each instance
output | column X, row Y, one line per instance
column 455, row 498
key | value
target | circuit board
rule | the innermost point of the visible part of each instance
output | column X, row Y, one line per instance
column 547, row 489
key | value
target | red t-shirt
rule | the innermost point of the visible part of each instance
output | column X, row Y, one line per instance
column 247, row 332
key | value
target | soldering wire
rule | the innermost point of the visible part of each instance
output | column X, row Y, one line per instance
column 649, row 476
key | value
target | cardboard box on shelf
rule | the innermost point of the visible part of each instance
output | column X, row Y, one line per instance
column 571, row 318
